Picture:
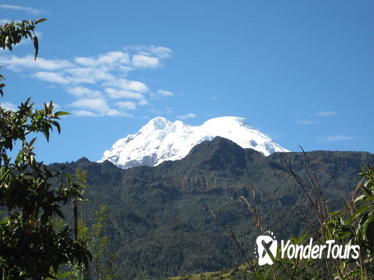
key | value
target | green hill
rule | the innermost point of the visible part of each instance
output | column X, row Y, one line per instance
column 160, row 219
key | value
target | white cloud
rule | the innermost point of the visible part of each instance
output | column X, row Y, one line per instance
column 85, row 113
column 110, row 113
column 127, row 105
column 143, row 102
column 115, row 113
column 149, row 57
column 307, row 122
column 96, row 104
column 114, row 57
column 85, row 61
column 336, row 138
column 161, row 52
column 165, row 92
column 21, row 8
column 187, row 116
column 128, row 85
column 18, row 63
column 8, row 106
column 158, row 51
column 88, row 75
column 99, row 107
column 110, row 59
column 51, row 77
column 77, row 75
column 326, row 114
column 145, row 61
column 120, row 94
column 80, row 91
column 96, row 81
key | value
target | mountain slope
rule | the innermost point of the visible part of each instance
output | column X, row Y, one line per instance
column 161, row 140
column 159, row 221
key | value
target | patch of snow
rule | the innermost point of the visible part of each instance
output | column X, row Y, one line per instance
column 160, row 140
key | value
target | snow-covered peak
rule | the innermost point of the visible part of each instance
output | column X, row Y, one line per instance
column 160, row 140
column 226, row 121
column 157, row 123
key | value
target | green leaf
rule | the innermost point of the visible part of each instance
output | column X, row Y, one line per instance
column 361, row 197
column 46, row 134
column 40, row 20
column 60, row 113
column 361, row 211
column 32, row 141
column 36, row 46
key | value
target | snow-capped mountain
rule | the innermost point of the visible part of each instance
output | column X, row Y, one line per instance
column 160, row 140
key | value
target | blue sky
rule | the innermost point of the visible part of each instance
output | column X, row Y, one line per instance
column 302, row 72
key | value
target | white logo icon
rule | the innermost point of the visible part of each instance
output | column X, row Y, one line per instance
column 266, row 249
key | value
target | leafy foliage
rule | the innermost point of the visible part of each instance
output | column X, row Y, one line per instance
column 351, row 225
column 355, row 225
column 103, row 265
column 103, row 261
column 13, row 32
column 31, row 194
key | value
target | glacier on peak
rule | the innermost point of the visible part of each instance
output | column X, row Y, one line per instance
column 160, row 140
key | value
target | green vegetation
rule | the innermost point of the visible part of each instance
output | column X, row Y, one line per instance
column 351, row 225
column 103, row 264
column 159, row 221
column 34, row 241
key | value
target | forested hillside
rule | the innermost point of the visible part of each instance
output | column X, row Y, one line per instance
column 176, row 218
